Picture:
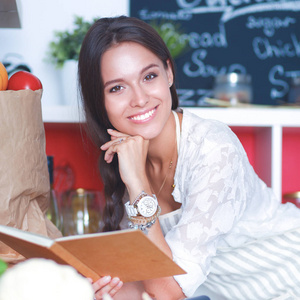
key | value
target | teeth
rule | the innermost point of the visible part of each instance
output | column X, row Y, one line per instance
column 144, row 116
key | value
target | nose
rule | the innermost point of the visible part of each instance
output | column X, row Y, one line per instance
column 139, row 96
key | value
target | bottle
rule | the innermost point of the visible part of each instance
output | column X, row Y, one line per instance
column 52, row 213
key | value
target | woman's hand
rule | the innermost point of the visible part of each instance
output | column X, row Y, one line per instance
column 132, row 153
column 106, row 285
column 116, row 138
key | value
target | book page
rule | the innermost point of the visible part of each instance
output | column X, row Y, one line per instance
column 26, row 235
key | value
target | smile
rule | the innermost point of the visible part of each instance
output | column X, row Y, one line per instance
column 143, row 117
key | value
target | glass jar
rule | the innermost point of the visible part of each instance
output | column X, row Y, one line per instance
column 293, row 198
column 233, row 87
column 81, row 212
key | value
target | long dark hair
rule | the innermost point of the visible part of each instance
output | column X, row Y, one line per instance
column 103, row 34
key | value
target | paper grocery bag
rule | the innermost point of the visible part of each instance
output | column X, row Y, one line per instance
column 24, row 176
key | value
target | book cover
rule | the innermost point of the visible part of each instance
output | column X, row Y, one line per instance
column 127, row 254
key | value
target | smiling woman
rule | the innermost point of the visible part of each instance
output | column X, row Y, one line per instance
column 184, row 180
column 137, row 82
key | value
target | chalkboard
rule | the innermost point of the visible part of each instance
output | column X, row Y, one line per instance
column 256, row 37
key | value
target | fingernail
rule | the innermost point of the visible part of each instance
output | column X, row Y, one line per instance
column 106, row 279
column 109, row 130
column 115, row 280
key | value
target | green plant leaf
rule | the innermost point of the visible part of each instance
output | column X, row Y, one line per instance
column 66, row 44
column 3, row 267
column 173, row 36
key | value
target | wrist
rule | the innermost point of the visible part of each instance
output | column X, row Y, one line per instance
column 143, row 223
column 144, row 205
column 135, row 190
column 143, row 212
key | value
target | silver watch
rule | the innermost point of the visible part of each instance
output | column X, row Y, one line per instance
column 144, row 205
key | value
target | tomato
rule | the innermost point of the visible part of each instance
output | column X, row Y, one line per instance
column 3, row 77
column 24, row 80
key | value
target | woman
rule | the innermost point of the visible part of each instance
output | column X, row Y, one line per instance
column 199, row 199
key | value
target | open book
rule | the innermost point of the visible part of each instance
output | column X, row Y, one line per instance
column 127, row 254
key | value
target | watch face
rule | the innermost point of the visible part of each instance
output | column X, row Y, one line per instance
column 147, row 206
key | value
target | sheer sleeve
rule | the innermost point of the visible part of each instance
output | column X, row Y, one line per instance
column 211, row 186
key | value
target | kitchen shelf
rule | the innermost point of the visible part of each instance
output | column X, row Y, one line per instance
column 61, row 114
column 267, row 123
column 256, row 117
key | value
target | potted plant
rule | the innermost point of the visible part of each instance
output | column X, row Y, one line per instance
column 67, row 44
column 173, row 36
column 63, row 53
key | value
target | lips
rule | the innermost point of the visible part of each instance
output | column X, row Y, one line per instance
column 143, row 117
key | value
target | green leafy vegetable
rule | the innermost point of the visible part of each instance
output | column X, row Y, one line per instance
column 3, row 267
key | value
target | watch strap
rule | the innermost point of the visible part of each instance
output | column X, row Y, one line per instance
column 144, row 223
column 130, row 209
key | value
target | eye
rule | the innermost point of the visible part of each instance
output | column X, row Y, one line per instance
column 115, row 89
column 150, row 76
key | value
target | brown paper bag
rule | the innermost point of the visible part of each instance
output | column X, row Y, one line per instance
column 24, row 177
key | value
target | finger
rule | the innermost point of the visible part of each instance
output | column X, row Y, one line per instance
column 109, row 154
column 115, row 141
column 111, row 288
column 100, row 283
column 116, row 134
column 111, row 151
column 117, row 286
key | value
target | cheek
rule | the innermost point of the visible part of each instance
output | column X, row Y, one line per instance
column 111, row 112
column 114, row 113
column 160, row 91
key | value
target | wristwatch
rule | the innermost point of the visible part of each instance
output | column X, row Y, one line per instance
column 144, row 205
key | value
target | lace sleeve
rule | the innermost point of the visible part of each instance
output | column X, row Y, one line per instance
column 212, row 190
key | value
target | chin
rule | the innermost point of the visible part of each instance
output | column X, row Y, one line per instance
column 148, row 136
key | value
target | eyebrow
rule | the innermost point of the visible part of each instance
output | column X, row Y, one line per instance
column 120, row 79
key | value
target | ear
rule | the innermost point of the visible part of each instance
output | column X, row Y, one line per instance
column 169, row 72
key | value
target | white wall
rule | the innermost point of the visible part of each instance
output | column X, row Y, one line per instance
column 39, row 20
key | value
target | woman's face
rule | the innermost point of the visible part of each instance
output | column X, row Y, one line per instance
column 136, row 89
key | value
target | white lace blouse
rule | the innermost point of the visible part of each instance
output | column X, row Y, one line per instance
column 224, row 203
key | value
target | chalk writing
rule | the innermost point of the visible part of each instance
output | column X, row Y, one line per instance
column 269, row 25
column 228, row 7
column 208, row 40
column 230, row 13
column 281, row 87
column 187, row 96
column 180, row 15
column 263, row 48
column 197, row 67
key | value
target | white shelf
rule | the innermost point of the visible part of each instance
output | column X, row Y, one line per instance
column 257, row 117
column 61, row 114
column 269, row 123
